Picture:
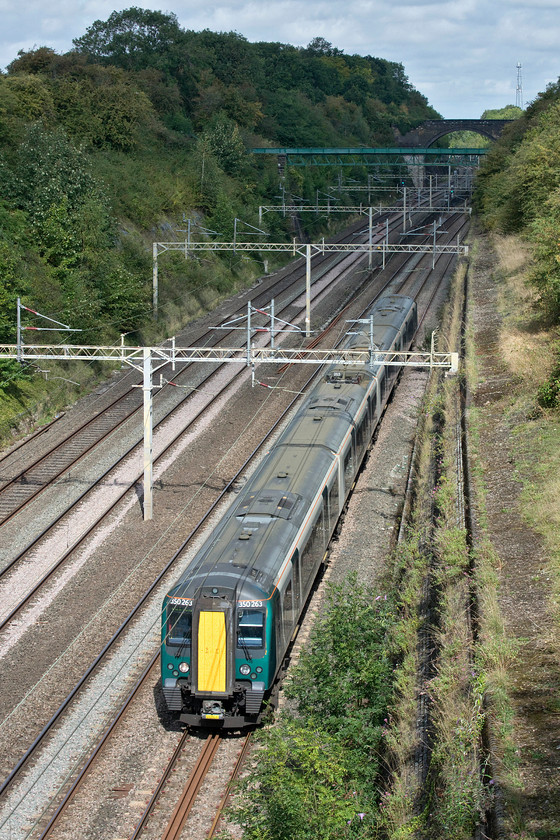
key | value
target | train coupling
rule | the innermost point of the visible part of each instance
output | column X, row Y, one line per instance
column 212, row 710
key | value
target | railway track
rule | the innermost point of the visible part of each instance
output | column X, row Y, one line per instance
column 12, row 613
column 27, row 483
column 87, row 676
column 27, row 487
column 22, row 485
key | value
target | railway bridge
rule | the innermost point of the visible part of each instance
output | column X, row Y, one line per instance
column 428, row 132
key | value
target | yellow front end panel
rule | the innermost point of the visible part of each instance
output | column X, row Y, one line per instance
column 212, row 652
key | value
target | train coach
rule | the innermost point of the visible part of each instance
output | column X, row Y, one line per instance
column 228, row 621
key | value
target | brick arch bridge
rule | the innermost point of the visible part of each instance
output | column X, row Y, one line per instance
column 428, row 132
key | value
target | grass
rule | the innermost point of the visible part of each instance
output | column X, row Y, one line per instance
column 455, row 795
column 38, row 400
column 529, row 349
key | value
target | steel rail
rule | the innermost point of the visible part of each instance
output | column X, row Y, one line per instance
column 98, row 747
column 160, row 786
column 116, row 635
column 193, row 785
column 234, row 775
column 31, row 437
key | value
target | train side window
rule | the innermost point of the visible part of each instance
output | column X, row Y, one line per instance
column 288, row 610
column 179, row 626
column 250, row 629
column 333, row 503
column 348, row 468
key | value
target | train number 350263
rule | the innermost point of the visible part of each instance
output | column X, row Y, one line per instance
column 249, row 603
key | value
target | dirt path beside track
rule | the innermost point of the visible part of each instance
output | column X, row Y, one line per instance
column 532, row 790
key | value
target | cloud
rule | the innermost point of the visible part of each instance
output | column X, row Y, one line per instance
column 461, row 54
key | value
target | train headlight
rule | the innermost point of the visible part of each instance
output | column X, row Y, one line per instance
column 245, row 669
column 184, row 667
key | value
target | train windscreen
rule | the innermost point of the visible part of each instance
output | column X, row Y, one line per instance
column 179, row 626
column 250, row 628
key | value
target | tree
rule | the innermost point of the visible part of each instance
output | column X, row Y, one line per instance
column 508, row 112
column 133, row 39
column 224, row 142
column 320, row 46
column 23, row 99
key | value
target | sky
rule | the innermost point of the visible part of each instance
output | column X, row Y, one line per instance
column 461, row 54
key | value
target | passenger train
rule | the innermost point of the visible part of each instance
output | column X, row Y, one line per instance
column 228, row 621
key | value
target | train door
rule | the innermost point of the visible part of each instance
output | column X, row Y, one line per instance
column 296, row 574
column 288, row 611
column 313, row 552
column 382, row 379
column 394, row 369
column 212, row 649
column 372, row 404
column 362, row 436
column 331, row 503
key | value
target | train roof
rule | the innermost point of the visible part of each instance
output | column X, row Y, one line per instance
column 246, row 552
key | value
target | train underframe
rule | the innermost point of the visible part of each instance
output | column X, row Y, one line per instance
column 244, row 707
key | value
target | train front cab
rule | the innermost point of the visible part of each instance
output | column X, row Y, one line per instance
column 216, row 660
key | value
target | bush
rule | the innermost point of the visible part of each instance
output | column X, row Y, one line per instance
column 549, row 393
column 315, row 776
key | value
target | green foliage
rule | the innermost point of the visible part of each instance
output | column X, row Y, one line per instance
column 110, row 146
column 49, row 169
column 12, row 372
column 23, row 99
column 545, row 233
column 102, row 107
column 348, row 653
column 518, row 190
column 133, row 38
column 301, row 789
column 224, row 141
column 467, row 140
column 549, row 393
column 316, row 775
column 508, row 112
column 12, row 286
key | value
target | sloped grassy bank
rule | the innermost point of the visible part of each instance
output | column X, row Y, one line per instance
column 516, row 454
column 36, row 397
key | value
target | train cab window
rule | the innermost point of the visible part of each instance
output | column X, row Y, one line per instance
column 250, row 629
column 179, row 626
